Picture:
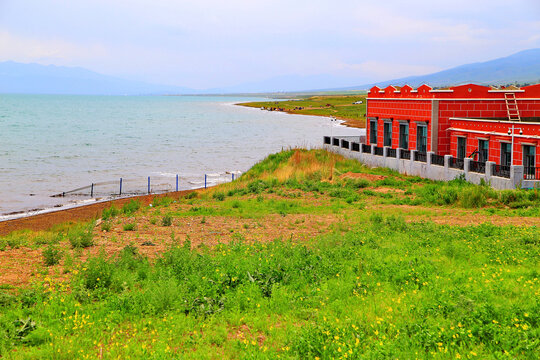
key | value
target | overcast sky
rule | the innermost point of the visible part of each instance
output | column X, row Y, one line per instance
column 217, row 43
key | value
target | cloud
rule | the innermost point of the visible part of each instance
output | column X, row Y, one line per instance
column 52, row 51
column 211, row 43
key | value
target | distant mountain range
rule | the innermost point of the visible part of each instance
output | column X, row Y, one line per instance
column 522, row 67
column 18, row 78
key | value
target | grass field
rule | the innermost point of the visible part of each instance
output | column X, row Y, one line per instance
column 338, row 106
column 308, row 255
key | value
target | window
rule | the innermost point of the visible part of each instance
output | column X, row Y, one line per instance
column 373, row 131
column 461, row 147
column 404, row 136
column 506, row 154
column 483, row 150
column 387, row 133
column 421, row 138
column 529, row 161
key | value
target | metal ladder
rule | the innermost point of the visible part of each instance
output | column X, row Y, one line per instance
column 512, row 107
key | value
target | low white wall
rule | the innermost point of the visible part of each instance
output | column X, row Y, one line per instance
column 432, row 171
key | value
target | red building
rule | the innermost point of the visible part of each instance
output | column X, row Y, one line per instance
column 462, row 121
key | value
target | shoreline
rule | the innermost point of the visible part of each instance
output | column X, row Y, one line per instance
column 46, row 218
column 347, row 122
column 83, row 212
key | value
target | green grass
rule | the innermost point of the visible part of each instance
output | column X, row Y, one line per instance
column 339, row 106
column 376, row 285
column 384, row 289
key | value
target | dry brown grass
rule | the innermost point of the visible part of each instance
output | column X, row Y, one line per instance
column 303, row 164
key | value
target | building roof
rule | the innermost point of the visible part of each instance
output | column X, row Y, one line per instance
column 461, row 91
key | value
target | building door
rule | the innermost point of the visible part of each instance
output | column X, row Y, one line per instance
column 506, row 154
column 529, row 159
column 387, row 133
column 421, row 138
column 483, row 150
column 461, row 147
column 404, row 136
column 373, row 131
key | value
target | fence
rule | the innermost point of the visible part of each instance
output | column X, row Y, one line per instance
column 456, row 163
column 366, row 148
column 531, row 173
column 501, row 171
column 421, row 156
column 405, row 154
column 148, row 185
column 477, row 166
column 437, row 159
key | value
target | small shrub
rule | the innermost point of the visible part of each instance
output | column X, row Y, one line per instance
column 81, row 236
column 110, row 213
column 106, row 226
column 376, row 218
column 257, row 187
column 219, row 196
column 370, row 193
column 473, row 197
column 51, row 255
column 357, row 183
column 98, row 273
column 131, row 207
column 166, row 220
column 191, row 195
column 129, row 227
column 203, row 220
column 162, row 201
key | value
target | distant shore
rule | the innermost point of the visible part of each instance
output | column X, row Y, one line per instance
column 350, row 109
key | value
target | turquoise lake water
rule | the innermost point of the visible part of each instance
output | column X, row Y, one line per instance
column 50, row 144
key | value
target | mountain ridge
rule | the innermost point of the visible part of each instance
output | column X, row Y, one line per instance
column 520, row 67
column 32, row 78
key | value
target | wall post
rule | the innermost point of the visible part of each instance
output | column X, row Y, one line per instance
column 428, row 155
column 466, row 167
column 489, row 170
column 516, row 176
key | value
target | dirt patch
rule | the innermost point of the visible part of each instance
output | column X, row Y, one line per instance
column 19, row 267
column 243, row 333
column 369, row 177
column 385, row 190
column 82, row 213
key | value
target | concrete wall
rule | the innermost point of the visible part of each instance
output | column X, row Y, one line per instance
column 431, row 171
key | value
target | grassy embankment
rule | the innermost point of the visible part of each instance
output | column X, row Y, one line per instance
column 307, row 255
column 338, row 106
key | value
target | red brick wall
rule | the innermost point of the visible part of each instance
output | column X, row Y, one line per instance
column 468, row 101
column 468, row 109
column 415, row 110
column 496, row 139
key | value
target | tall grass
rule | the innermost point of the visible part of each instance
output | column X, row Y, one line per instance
column 386, row 288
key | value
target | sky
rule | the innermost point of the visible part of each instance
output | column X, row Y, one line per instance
column 214, row 43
